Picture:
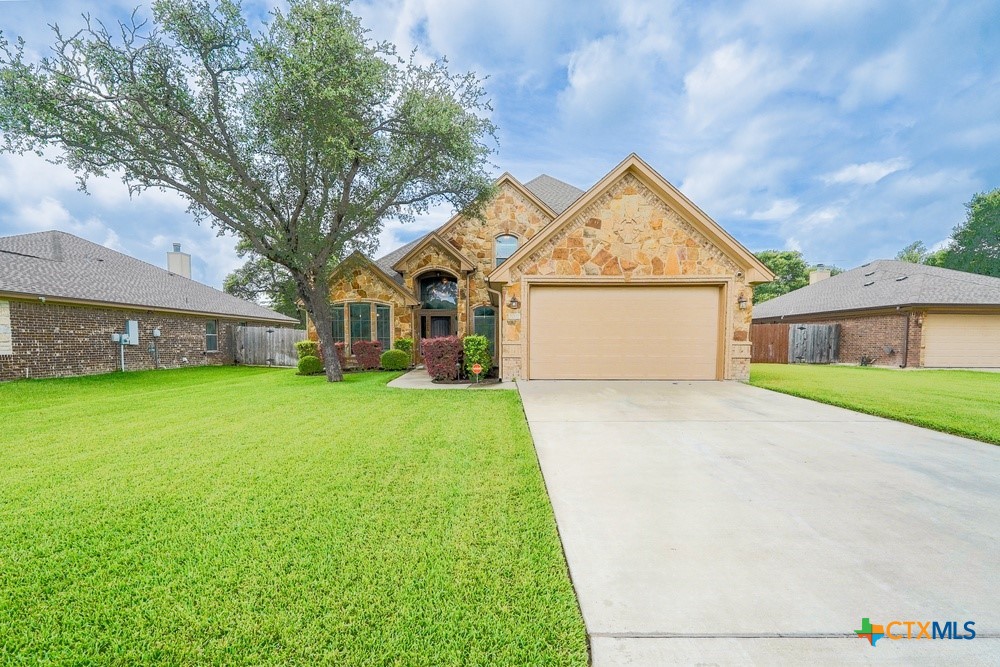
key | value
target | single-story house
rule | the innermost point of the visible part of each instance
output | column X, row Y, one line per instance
column 627, row 280
column 63, row 298
column 901, row 314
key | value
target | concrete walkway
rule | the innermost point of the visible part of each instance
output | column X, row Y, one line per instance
column 419, row 379
column 718, row 523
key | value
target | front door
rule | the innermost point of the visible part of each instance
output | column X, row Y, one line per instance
column 440, row 326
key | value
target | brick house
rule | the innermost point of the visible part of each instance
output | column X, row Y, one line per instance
column 627, row 280
column 62, row 298
column 901, row 314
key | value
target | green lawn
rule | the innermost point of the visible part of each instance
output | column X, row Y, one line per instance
column 252, row 516
column 961, row 402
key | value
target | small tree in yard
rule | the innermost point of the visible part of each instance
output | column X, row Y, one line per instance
column 302, row 139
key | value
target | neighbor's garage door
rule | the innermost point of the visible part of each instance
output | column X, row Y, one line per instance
column 962, row 341
column 644, row 333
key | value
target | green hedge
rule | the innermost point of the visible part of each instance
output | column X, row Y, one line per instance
column 476, row 350
column 307, row 348
column 310, row 365
column 395, row 360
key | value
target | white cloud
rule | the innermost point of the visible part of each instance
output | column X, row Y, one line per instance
column 866, row 173
column 734, row 80
column 778, row 210
column 878, row 80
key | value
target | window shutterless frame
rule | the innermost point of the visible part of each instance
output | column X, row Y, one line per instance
column 212, row 336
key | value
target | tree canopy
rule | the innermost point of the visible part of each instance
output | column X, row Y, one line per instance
column 263, row 281
column 791, row 272
column 974, row 245
column 302, row 138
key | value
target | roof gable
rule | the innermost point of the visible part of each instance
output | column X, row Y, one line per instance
column 421, row 246
column 756, row 271
column 505, row 179
column 358, row 259
column 58, row 265
column 885, row 283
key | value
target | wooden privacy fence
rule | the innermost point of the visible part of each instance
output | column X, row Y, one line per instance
column 795, row 343
column 266, row 346
column 769, row 343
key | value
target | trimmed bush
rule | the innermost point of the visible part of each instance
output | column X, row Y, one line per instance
column 341, row 354
column 367, row 353
column 477, row 351
column 443, row 357
column 395, row 360
column 310, row 365
column 307, row 348
column 404, row 344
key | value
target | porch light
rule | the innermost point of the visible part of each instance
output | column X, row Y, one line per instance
column 742, row 301
column 514, row 303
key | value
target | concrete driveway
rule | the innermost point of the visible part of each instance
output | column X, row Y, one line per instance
column 718, row 523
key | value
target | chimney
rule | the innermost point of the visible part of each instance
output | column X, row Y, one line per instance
column 179, row 262
column 818, row 274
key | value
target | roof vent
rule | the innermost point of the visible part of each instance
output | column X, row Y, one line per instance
column 901, row 278
column 872, row 273
column 869, row 284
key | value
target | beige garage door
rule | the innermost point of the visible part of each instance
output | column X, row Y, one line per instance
column 962, row 341
column 598, row 332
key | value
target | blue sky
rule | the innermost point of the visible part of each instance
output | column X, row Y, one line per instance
column 845, row 129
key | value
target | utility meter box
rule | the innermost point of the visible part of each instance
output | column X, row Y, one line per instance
column 132, row 332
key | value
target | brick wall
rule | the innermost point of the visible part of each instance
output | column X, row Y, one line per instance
column 870, row 335
column 54, row 340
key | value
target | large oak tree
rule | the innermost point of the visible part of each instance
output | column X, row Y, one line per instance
column 301, row 138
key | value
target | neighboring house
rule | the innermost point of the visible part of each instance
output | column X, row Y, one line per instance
column 901, row 314
column 626, row 280
column 62, row 298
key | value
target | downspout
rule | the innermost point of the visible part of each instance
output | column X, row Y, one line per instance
column 906, row 339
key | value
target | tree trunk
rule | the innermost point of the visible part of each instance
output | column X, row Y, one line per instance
column 317, row 303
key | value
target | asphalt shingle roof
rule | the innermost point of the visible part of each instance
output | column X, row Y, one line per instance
column 554, row 193
column 557, row 195
column 56, row 264
column 884, row 283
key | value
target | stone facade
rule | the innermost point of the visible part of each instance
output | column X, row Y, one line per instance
column 55, row 340
column 359, row 281
column 510, row 212
column 629, row 234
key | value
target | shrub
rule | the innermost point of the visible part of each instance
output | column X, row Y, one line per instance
column 404, row 344
column 443, row 357
column 477, row 351
column 341, row 354
column 307, row 348
column 310, row 365
column 367, row 353
column 395, row 360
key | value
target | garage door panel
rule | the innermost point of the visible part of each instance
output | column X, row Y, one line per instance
column 597, row 332
column 961, row 341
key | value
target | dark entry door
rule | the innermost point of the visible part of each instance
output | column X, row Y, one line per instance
column 440, row 326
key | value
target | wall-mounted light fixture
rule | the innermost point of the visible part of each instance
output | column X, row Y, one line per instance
column 742, row 301
column 514, row 303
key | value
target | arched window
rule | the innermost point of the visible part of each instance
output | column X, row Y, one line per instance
column 504, row 247
column 439, row 291
column 484, row 323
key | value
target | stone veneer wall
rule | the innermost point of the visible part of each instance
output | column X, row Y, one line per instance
column 630, row 234
column 56, row 340
column 363, row 283
column 510, row 212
